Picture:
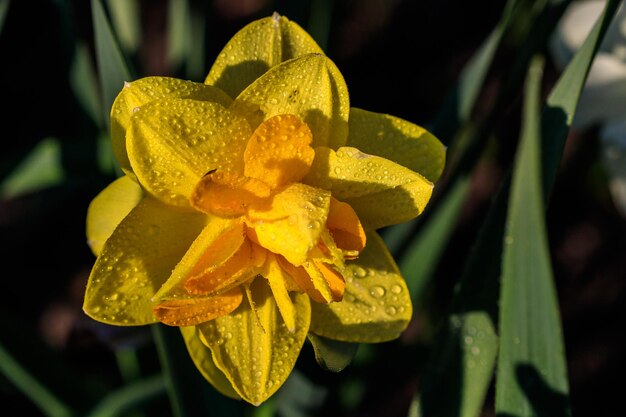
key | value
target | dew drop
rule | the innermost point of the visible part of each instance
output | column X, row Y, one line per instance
column 360, row 272
column 396, row 289
column 377, row 291
column 113, row 297
column 391, row 310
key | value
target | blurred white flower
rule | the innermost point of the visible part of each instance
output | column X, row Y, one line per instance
column 603, row 101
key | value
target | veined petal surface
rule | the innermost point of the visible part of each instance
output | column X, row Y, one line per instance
column 257, row 356
column 172, row 143
column 380, row 191
column 311, row 88
column 255, row 49
column 136, row 260
column 376, row 306
column 146, row 90
column 399, row 141
column 109, row 208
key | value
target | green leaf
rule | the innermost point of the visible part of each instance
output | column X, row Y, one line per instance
column 178, row 25
column 112, row 67
column 84, row 84
column 459, row 372
column 49, row 405
column 40, row 169
column 459, row 103
column 532, row 373
column 561, row 103
column 127, row 23
column 332, row 355
column 129, row 397
column 320, row 21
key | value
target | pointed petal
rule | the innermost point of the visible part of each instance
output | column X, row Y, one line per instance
column 302, row 279
column 376, row 306
column 173, row 143
column 380, row 191
column 276, row 278
column 146, row 90
column 279, row 151
column 201, row 357
column 193, row 311
column 345, row 227
column 214, row 245
column 108, row 209
column 293, row 223
column 399, row 141
column 136, row 260
column 310, row 87
column 255, row 49
column 256, row 362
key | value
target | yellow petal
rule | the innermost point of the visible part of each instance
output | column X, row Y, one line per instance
column 279, row 151
column 380, row 191
column 192, row 311
column 399, row 141
column 227, row 194
column 145, row 90
column 326, row 280
column 293, row 223
column 243, row 265
column 277, row 280
column 255, row 49
column 173, row 143
column 136, row 260
column 108, row 209
column 310, row 87
column 201, row 356
column 216, row 243
column 376, row 306
column 257, row 362
column 345, row 227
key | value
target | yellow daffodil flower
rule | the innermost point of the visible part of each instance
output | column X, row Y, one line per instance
column 248, row 211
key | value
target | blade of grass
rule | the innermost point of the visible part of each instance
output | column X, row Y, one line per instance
column 459, row 103
column 84, row 84
column 425, row 250
column 561, row 103
column 532, row 373
column 320, row 21
column 125, row 19
column 41, row 168
column 178, row 33
column 129, row 397
column 45, row 400
column 461, row 367
column 112, row 67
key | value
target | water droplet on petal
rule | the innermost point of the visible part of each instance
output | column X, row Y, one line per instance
column 377, row 291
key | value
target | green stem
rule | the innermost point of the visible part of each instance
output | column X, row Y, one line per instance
column 129, row 396
column 166, row 359
column 49, row 405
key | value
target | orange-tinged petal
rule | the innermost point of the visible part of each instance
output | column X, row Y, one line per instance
column 292, row 225
column 279, row 151
column 244, row 264
column 192, row 311
column 335, row 281
column 301, row 278
column 228, row 194
column 217, row 242
column 345, row 227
